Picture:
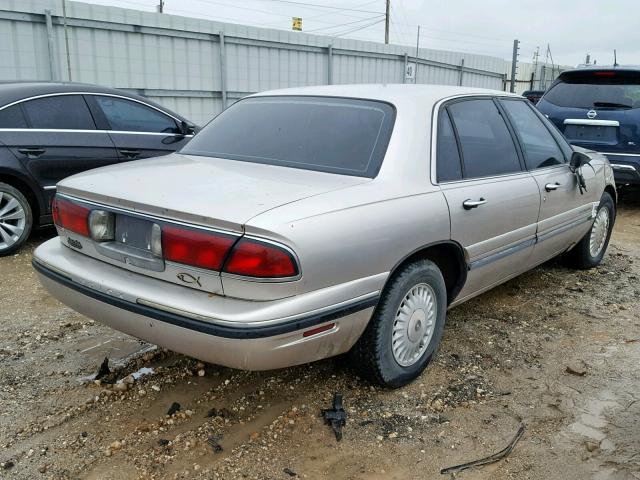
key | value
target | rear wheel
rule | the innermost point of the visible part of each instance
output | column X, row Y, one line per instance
column 16, row 219
column 589, row 251
column 406, row 328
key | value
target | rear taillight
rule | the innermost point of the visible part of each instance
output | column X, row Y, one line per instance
column 198, row 249
column 253, row 258
column 70, row 216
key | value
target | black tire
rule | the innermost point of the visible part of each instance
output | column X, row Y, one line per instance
column 9, row 226
column 580, row 256
column 372, row 354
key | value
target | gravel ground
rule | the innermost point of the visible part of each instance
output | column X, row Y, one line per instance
column 555, row 349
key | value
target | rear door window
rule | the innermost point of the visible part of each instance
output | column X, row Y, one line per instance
column 448, row 158
column 597, row 89
column 12, row 117
column 337, row 135
column 129, row 116
column 68, row 112
column 540, row 148
column 486, row 144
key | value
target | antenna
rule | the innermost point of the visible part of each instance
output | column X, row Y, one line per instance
column 615, row 58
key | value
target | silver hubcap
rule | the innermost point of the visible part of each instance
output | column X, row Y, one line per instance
column 599, row 232
column 12, row 220
column 414, row 324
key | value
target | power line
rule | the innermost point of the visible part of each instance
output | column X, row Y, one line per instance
column 358, row 28
column 332, row 7
column 343, row 24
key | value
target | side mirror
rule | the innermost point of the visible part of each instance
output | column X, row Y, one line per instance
column 186, row 129
column 578, row 159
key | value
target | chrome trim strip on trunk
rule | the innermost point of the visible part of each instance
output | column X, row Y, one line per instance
column 180, row 319
column 585, row 121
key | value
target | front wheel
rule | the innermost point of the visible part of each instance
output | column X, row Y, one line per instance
column 589, row 251
column 405, row 330
column 16, row 219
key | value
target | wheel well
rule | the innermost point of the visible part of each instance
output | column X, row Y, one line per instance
column 449, row 258
column 26, row 191
column 612, row 191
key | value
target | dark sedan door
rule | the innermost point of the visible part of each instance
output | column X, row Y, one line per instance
column 139, row 130
column 58, row 140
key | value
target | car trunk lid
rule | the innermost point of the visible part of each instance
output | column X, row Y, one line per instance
column 201, row 190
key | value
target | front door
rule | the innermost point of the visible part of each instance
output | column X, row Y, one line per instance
column 565, row 212
column 139, row 130
column 493, row 202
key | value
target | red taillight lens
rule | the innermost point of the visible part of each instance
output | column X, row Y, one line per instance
column 70, row 216
column 604, row 74
column 252, row 258
column 199, row 249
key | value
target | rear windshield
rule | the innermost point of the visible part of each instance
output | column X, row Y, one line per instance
column 599, row 89
column 335, row 135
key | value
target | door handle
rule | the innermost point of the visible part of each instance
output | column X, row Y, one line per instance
column 32, row 152
column 130, row 153
column 469, row 204
column 551, row 186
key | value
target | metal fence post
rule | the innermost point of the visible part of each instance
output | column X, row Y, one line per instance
column 404, row 72
column 223, row 71
column 52, row 58
column 461, row 72
column 330, row 64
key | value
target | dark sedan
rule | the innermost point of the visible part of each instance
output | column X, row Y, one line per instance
column 49, row 131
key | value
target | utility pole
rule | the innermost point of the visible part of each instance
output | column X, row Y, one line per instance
column 418, row 42
column 161, row 6
column 66, row 37
column 536, row 54
column 386, row 22
column 514, row 65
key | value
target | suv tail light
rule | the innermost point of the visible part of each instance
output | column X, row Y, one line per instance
column 70, row 216
column 196, row 248
column 253, row 258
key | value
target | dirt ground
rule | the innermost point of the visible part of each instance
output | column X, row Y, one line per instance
column 555, row 349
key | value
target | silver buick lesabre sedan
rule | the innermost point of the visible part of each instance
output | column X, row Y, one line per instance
column 304, row 223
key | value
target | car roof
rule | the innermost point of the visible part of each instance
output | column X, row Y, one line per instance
column 393, row 93
column 600, row 68
column 14, row 91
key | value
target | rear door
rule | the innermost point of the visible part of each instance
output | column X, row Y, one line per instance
column 55, row 137
column 493, row 201
column 137, row 129
column 565, row 212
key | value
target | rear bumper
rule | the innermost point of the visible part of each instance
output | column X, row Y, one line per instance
column 626, row 168
column 129, row 303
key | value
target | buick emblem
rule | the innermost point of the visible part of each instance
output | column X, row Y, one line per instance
column 592, row 114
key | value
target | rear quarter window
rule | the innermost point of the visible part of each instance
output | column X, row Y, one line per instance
column 327, row 134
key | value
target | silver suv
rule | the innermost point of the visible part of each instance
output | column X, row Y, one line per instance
column 305, row 223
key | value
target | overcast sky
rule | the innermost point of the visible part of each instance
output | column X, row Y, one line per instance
column 572, row 28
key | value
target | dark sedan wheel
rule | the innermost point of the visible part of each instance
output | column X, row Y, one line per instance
column 589, row 251
column 406, row 328
column 16, row 219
